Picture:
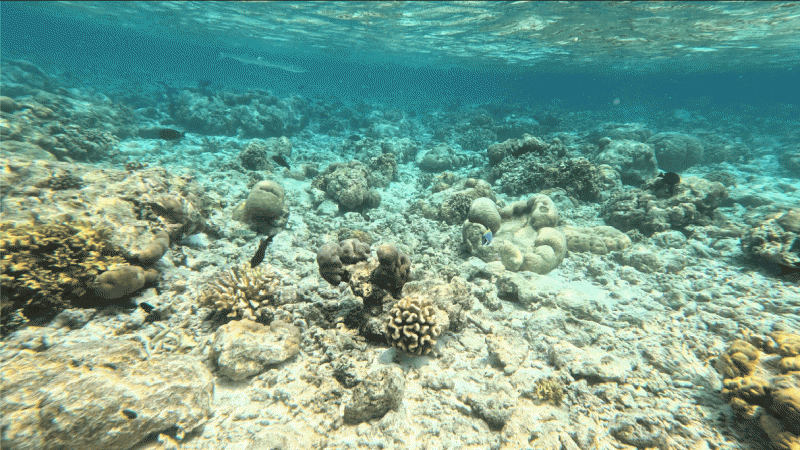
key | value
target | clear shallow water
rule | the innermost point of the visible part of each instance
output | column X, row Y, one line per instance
column 458, row 75
column 418, row 53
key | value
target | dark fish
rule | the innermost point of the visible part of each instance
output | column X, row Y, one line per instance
column 355, row 137
column 281, row 160
column 671, row 178
column 262, row 250
column 168, row 134
column 147, row 307
column 792, row 272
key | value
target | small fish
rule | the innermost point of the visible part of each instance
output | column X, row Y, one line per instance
column 670, row 178
column 262, row 249
column 487, row 238
column 168, row 134
column 147, row 307
column 281, row 161
column 355, row 137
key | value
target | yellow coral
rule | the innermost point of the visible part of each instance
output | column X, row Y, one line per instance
column 242, row 292
column 412, row 325
column 785, row 344
column 739, row 360
column 46, row 267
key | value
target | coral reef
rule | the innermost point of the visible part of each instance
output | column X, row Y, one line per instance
column 693, row 203
column 526, row 239
column 412, row 325
column 106, row 394
column 254, row 114
column 256, row 154
column 242, row 292
column 456, row 205
column 348, row 185
column 443, row 157
column 331, row 258
column 763, row 390
column 47, row 267
column 382, row 170
column 776, row 239
column 530, row 173
column 484, row 211
column 393, row 271
column 598, row 240
column 527, row 145
column 122, row 281
column 265, row 209
column 790, row 160
column 676, row 152
column 635, row 161
column 633, row 131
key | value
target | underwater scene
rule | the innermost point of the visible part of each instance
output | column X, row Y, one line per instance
column 400, row 225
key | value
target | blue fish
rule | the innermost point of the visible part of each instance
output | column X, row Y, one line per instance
column 487, row 237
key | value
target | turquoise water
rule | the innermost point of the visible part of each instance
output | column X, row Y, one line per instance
column 599, row 203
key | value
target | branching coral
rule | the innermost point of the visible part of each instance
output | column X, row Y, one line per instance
column 242, row 292
column 48, row 267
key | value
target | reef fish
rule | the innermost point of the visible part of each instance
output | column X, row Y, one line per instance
column 168, row 134
column 261, row 62
column 487, row 238
column 281, row 161
column 262, row 250
column 670, row 178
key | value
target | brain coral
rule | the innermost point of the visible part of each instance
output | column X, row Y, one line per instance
column 242, row 292
column 526, row 239
column 412, row 325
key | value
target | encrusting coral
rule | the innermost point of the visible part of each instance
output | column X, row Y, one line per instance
column 756, row 390
column 412, row 325
column 47, row 267
column 242, row 292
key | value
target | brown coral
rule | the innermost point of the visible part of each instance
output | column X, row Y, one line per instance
column 50, row 266
column 412, row 325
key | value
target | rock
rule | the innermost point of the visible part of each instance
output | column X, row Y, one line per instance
column 598, row 240
column 494, row 409
column 592, row 364
column 676, row 152
column 243, row 348
column 99, row 395
column 635, row 161
column 379, row 391
column 509, row 349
